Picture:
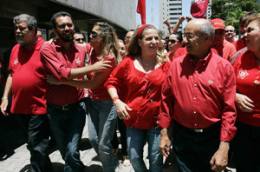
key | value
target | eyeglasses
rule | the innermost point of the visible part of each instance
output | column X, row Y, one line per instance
column 172, row 41
column 80, row 39
column 93, row 34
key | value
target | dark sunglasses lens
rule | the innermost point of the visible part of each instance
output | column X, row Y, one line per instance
column 93, row 34
column 172, row 41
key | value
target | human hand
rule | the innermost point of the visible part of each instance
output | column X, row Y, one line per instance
column 53, row 81
column 165, row 143
column 167, row 22
column 244, row 103
column 122, row 109
column 219, row 160
column 4, row 106
column 182, row 18
column 101, row 65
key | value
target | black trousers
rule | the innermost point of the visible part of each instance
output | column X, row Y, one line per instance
column 247, row 148
column 38, row 140
column 195, row 149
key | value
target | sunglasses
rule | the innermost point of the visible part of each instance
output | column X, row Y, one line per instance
column 79, row 39
column 172, row 41
column 93, row 34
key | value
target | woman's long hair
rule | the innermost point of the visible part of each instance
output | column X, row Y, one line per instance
column 109, row 39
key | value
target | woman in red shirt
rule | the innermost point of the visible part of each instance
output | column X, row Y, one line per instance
column 247, row 68
column 103, row 40
column 135, row 88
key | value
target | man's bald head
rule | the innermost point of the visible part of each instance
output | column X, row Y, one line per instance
column 202, row 26
column 198, row 37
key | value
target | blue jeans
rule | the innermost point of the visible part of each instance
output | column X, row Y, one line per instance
column 136, row 139
column 67, row 125
column 103, row 117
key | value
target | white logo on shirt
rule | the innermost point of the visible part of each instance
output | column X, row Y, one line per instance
column 77, row 61
column 16, row 61
column 242, row 74
column 210, row 81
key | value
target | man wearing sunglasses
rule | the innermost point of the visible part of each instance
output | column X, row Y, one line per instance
column 65, row 60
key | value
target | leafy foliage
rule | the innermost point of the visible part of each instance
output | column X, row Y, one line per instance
column 232, row 10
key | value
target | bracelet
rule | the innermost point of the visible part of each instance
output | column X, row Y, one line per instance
column 114, row 99
column 4, row 98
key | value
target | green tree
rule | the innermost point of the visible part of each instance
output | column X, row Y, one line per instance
column 232, row 10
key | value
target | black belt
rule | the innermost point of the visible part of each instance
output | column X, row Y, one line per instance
column 65, row 107
column 212, row 128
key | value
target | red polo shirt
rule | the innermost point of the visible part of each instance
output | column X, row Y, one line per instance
column 140, row 91
column 28, row 80
column 248, row 83
column 200, row 93
column 59, row 63
column 227, row 50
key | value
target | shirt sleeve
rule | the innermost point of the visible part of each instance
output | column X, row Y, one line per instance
column 52, row 62
column 117, row 75
column 228, row 117
column 167, row 100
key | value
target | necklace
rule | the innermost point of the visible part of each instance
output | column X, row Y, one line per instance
column 147, row 66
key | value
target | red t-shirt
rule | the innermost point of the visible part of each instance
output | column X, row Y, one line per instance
column 28, row 80
column 200, row 93
column 59, row 63
column 248, row 83
column 100, row 93
column 140, row 91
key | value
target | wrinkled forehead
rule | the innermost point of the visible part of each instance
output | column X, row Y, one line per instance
column 229, row 28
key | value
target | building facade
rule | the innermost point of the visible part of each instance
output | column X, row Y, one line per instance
column 120, row 14
column 173, row 9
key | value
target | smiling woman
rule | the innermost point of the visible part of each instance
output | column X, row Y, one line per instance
column 247, row 68
column 135, row 88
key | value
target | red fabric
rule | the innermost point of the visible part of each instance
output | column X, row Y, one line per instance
column 59, row 63
column 241, row 43
column 218, row 23
column 226, row 50
column 248, row 83
column 101, row 93
column 28, row 80
column 199, row 94
column 141, row 9
column 141, row 92
column 179, row 52
column 199, row 8
column 141, row 29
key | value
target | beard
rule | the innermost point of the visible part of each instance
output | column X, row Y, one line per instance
column 66, row 37
column 20, row 39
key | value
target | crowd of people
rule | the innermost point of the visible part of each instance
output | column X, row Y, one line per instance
column 194, row 93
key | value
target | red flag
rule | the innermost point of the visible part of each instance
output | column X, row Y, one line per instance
column 141, row 9
column 199, row 8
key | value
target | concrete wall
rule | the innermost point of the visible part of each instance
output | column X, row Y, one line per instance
column 120, row 12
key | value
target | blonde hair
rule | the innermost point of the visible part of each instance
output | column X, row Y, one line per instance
column 109, row 37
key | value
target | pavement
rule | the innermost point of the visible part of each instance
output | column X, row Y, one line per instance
column 18, row 159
